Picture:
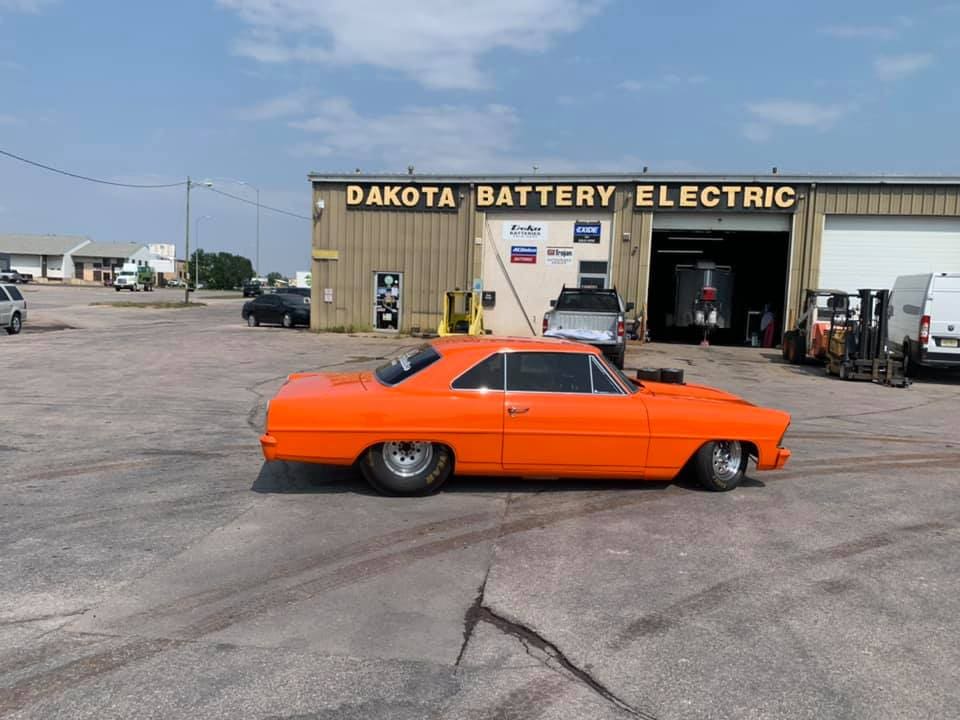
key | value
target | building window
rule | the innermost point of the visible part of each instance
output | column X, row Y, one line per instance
column 96, row 266
column 593, row 274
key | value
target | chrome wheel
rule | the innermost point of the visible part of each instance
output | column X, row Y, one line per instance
column 727, row 458
column 407, row 458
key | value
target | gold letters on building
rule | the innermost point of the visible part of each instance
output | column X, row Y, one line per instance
column 411, row 196
column 714, row 197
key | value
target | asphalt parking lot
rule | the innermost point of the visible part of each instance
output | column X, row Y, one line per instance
column 153, row 566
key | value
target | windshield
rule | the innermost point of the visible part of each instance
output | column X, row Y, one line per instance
column 407, row 364
column 585, row 300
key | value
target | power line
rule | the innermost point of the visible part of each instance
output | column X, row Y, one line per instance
column 145, row 187
column 251, row 202
column 85, row 177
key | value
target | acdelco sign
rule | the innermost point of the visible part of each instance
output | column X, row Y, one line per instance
column 714, row 197
column 408, row 196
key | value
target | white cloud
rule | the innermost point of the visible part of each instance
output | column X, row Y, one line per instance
column 895, row 67
column 8, row 119
column 279, row 107
column 444, row 138
column 795, row 113
column 666, row 82
column 768, row 114
column 438, row 42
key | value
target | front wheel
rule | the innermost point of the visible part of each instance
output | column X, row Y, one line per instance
column 15, row 325
column 721, row 464
column 252, row 320
column 287, row 320
column 407, row 467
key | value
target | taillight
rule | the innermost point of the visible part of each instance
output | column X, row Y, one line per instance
column 546, row 321
column 620, row 327
column 924, row 330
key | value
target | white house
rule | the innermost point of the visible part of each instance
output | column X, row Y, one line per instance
column 43, row 256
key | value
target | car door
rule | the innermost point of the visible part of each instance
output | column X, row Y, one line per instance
column 6, row 307
column 564, row 414
column 475, row 401
column 267, row 308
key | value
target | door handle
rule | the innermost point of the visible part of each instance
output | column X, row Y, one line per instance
column 517, row 410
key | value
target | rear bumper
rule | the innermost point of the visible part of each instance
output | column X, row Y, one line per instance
column 268, row 444
column 939, row 359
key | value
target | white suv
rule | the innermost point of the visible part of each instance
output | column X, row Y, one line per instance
column 13, row 309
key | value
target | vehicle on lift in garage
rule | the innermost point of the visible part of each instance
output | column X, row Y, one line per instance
column 590, row 315
column 704, row 297
column 516, row 407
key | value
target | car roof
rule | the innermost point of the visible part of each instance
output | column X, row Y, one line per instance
column 486, row 343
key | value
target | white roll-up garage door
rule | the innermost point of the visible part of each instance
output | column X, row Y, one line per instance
column 870, row 252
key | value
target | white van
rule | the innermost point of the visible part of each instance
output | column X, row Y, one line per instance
column 925, row 319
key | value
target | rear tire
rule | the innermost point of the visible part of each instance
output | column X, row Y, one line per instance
column 407, row 468
column 720, row 465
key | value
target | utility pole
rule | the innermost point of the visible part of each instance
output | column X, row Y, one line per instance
column 186, row 262
column 257, row 268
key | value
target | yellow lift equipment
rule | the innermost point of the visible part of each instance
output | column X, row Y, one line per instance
column 462, row 313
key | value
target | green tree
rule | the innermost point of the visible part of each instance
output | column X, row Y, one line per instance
column 273, row 277
column 221, row 270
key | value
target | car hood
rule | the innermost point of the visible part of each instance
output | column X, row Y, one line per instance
column 693, row 392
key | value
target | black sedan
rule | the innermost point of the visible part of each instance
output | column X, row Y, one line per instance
column 284, row 309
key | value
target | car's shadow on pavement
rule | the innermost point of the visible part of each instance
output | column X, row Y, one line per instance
column 283, row 477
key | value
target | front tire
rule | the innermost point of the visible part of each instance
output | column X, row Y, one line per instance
column 15, row 325
column 720, row 465
column 407, row 467
column 287, row 320
column 252, row 320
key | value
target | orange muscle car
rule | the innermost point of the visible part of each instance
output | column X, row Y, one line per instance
column 518, row 407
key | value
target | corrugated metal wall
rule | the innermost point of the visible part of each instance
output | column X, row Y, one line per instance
column 433, row 250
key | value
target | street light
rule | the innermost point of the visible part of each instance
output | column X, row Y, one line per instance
column 186, row 260
column 209, row 183
column 196, row 233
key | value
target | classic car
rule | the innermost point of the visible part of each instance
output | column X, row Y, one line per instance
column 516, row 407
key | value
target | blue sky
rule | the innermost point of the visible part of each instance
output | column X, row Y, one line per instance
column 267, row 90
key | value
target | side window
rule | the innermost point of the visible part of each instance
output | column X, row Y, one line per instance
column 14, row 293
column 548, row 372
column 602, row 384
column 485, row 375
column 3, row 294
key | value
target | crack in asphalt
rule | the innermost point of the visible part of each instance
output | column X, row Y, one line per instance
column 553, row 658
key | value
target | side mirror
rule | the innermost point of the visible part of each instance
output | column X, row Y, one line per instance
column 630, row 306
column 553, row 303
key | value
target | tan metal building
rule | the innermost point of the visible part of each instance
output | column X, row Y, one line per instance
column 386, row 246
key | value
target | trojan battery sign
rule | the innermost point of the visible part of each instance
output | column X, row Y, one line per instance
column 775, row 198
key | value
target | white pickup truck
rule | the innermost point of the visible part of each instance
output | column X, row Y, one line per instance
column 594, row 316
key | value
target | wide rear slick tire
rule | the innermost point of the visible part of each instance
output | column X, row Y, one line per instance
column 407, row 468
column 720, row 465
